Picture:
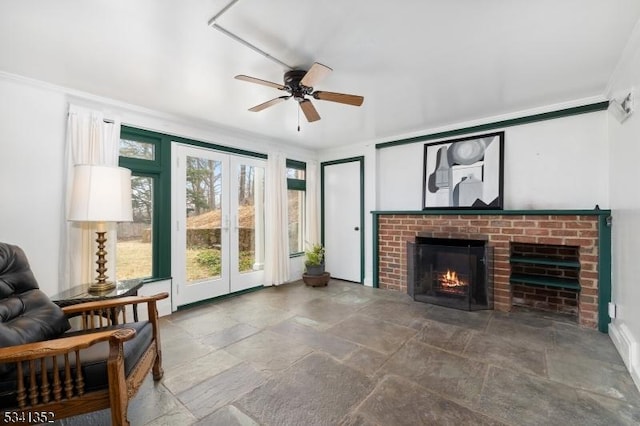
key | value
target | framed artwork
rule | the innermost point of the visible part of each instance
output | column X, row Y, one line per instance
column 464, row 173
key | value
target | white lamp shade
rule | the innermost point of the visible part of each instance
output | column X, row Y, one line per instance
column 100, row 194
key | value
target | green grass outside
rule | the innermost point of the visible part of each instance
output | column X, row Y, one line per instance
column 134, row 261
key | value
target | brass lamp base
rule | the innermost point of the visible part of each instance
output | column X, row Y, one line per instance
column 101, row 287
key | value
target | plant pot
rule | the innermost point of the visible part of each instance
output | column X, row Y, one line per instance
column 316, row 280
column 315, row 270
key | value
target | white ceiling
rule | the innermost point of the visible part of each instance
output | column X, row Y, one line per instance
column 420, row 64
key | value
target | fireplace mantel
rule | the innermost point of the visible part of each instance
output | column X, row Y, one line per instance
column 587, row 229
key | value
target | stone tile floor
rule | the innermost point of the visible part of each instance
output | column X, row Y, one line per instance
column 352, row 355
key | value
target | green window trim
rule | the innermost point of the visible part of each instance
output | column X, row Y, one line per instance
column 159, row 170
column 295, row 164
column 296, row 185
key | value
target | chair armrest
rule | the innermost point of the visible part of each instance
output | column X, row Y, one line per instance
column 63, row 345
column 112, row 303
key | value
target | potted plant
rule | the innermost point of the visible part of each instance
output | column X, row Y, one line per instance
column 314, row 261
column 315, row 275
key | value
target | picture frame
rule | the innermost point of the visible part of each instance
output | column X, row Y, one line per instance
column 465, row 173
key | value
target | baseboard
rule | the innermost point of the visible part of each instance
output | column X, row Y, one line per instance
column 627, row 346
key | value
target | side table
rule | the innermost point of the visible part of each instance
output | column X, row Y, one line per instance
column 80, row 294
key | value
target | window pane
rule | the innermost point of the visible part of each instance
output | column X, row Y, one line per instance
column 134, row 249
column 135, row 149
column 296, row 221
column 251, row 218
column 295, row 173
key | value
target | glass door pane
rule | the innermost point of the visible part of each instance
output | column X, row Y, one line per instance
column 247, row 214
column 250, row 218
column 204, row 218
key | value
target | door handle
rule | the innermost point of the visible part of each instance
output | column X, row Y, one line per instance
column 356, row 228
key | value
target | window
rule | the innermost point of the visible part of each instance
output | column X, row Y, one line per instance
column 139, row 246
column 134, row 252
column 296, row 186
column 137, row 149
column 143, row 248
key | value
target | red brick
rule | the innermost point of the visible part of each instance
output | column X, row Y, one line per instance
column 588, row 274
column 479, row 223
column 587, row 299
column 588, row 234
column 512, row 231
column 537, row 231
column 564, row 233
column 524, row 223
column 580, row 225
column 583, row 242
column 549, row 224
column 550, row 240
column 501, row 223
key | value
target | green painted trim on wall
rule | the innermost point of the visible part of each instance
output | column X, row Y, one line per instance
column 160, row 171
column 375, row 282
column 295, row 164
column 297, row 184
column 362, row 188
column 604, row 273
column 172, row 138
column 360, row 159
column 456, row 212
column 600, row 106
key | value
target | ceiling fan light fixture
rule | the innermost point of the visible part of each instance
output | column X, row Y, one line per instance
column 299, row 84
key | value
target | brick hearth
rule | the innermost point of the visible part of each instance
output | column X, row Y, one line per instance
column 395, row 229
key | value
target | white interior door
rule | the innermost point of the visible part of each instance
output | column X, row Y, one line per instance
column 342, row 212
column 218, row 214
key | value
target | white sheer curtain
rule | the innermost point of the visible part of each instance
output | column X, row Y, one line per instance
column 311, row 233
column 90, row 140
column 276, row 268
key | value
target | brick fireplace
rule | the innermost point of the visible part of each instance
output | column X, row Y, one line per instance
column 553, row 260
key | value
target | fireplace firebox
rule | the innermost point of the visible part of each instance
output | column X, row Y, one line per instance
column 450, row 272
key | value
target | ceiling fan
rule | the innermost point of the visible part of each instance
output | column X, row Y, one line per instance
column 299, row 84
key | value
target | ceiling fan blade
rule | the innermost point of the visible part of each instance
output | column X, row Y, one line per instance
column 317, row 73
column 259, row 81
column 309, row 111
column 342, row 98
column 269, row 103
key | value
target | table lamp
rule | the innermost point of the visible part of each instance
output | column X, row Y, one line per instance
column 101, row 194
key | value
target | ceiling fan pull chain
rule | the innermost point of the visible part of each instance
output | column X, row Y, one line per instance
column 298, row 119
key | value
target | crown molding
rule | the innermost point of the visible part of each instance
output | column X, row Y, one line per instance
column 137, row 116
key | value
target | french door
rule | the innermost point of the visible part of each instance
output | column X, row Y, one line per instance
column 218, row 218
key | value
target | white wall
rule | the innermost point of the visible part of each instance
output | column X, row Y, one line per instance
column 624, row 141
column 32, row 130
column 555, row 164
column 33, row 117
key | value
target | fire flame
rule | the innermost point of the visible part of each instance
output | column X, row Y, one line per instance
column 450, row 279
